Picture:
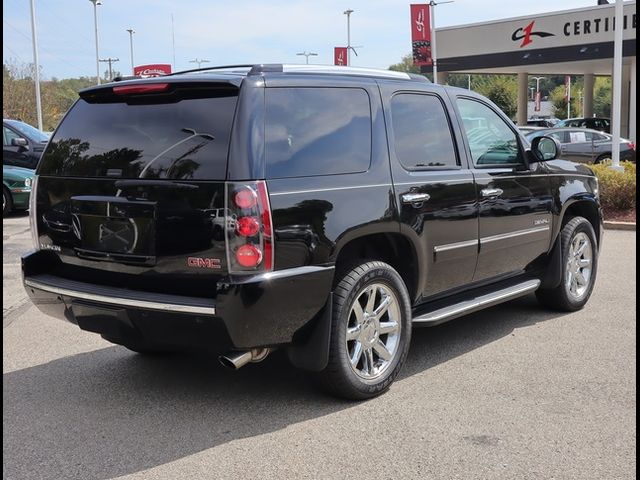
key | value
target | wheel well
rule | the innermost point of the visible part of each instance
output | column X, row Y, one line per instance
column 588, row 210
column 392, row 248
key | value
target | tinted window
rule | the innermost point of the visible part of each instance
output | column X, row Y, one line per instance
column 421, row 133
column 187, row 139
column 491, row 141
column 598, row 137
column 317, row 131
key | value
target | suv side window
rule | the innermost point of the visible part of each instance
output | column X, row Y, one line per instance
column 317, row 131
column 421, row 133
column 491, row 141
column 579, row 136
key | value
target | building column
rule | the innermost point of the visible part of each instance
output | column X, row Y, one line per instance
column 632, row 102
column 587, row 106
column 523, row 98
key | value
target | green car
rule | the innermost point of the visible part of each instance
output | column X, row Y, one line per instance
column 16, row 188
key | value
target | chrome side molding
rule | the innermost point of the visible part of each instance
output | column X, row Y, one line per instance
column 494, row 298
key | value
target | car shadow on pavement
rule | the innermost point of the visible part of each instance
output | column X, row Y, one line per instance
column 110, row 412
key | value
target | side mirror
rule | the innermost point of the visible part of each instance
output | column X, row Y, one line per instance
column 544, row 148
column 19, row 142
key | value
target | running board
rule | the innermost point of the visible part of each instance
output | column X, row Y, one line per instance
column 450, row 312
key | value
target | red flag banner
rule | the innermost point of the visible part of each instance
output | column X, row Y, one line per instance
column 340, row 55
column 536, row 107
column 154, row 70
column 421, row 34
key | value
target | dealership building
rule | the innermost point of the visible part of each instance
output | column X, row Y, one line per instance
column 575, row 42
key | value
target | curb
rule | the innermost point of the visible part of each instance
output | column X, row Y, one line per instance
column 609, row 225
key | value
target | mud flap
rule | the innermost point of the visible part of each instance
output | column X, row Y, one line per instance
column 313, row 355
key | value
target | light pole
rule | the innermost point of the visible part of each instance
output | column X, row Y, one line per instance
column 533, row 89
column 131, row 32
column 95, row 26
column 469, row 84
column 348, row 14
column 36, row 64
column 307, row 54
column 536, row 104
column 110, row 61
column 432, row 6
column 199, row 61
column 537, row 79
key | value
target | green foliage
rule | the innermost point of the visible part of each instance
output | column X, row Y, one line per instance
column 602, row 97
column 18, row 95
column 617, row 189
column 560, row 102
column 501, row 90
column 405, row 65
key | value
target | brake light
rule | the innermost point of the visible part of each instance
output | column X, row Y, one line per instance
column 245, row 198
column 249, row 237
column 247, row 226
column 632, row 146
column 248, row 256
column 140, row 89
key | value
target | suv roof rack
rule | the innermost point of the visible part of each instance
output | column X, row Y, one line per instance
column 258, row 69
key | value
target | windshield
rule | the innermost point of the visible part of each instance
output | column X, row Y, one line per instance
column 28, row 131
column 188, row 139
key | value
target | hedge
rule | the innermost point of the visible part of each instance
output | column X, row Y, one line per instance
column 617, row 189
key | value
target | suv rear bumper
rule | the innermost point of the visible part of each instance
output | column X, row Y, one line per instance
column 247, row 311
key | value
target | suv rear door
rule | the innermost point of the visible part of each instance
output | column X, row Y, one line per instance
column 433, row 185
column 130, row 184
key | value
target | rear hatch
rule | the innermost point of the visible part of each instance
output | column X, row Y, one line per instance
column 131, row 187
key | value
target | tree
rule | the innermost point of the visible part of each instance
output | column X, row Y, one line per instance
column 405, row 65
column 602, row 97
column 501, row 90
column 559, row 101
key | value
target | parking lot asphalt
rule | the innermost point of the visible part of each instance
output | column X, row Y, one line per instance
column 513, row 392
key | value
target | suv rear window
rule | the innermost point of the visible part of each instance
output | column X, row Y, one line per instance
column 188, row 139
column 317, row 131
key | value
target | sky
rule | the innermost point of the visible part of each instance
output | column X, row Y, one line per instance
column 231, row 32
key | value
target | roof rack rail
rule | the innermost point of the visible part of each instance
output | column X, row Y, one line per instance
column 260, row 68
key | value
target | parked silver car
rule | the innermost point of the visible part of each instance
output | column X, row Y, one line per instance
column 585, row 145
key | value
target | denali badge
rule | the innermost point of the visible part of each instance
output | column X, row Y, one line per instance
column 541, row 221
column 198, row 262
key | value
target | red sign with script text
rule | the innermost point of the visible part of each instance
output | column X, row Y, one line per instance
column 421, row 34
column 340, row 56
column 153, row 70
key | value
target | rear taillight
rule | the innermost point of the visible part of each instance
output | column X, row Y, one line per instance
column 249, row 233
column 632, row 146
column 33, row 219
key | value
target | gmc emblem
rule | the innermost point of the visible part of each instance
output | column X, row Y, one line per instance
column 198, row 262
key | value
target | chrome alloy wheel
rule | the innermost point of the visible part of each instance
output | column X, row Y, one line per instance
column 373, row 331
column 579, row 266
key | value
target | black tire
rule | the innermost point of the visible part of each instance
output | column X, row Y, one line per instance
column 561, row 298
column 339, row 377
column 7, row 202
column 602, row 157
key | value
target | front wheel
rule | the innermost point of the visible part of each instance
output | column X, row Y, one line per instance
column 7, row 202
column 579, row 266
column 370, row 334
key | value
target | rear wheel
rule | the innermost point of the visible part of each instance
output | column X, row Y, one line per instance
column 7, row 202
column 371, row 332
column 602, row 158
column 579, row 266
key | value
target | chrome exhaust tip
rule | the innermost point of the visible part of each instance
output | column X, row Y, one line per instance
column 236, row 360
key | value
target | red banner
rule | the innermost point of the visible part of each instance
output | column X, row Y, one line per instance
column 421, row 34
column 340, row 55
column 153, row 70
column 536, row 107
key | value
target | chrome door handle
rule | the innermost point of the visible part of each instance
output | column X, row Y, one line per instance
column 415, row 197
column 491, row 192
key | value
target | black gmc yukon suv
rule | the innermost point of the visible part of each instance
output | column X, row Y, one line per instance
column 320, row 210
